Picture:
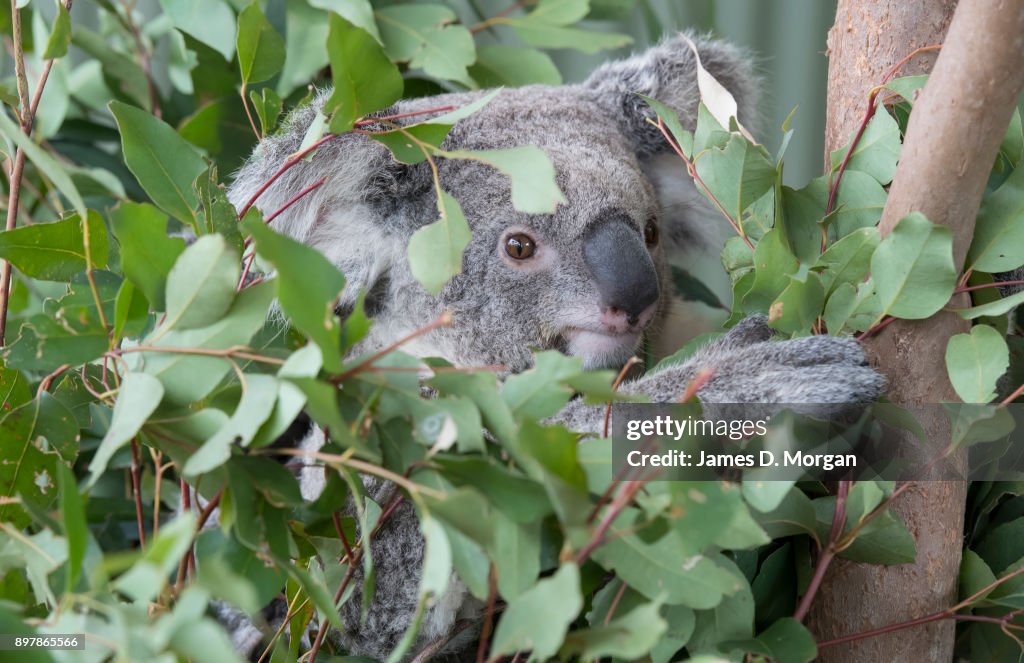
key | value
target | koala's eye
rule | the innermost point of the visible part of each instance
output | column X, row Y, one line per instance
column 520, row 246
column 651, row 233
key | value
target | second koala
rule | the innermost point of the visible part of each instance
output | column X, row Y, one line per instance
column 588, row 280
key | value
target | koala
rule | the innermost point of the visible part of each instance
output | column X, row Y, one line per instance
column 589, row 280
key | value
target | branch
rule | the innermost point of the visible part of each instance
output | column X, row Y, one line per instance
column 27, row 120
column 828, row 552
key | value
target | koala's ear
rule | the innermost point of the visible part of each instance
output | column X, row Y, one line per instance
column 668, row 73
column 360, row 215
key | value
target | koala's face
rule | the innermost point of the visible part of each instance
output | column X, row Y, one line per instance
column 587, row 279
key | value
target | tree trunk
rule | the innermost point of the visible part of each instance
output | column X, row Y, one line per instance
column 951, row 142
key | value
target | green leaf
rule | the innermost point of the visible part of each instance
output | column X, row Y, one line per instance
column 189, row 377
column 69, row 330
column 14, row 389
column 693, row 289
column 138, row 397
column 437, row 559
column 1002, row 545
column 260, row 49
column 121, row 72
column 858, row 204
column 147, row 576
column 627, row 637
column 357, row 12
column 907, row 86
column 540, row 33
column 267, row 105
column 516, row 554
column 656, row 569
column 683, row 138
column 797, row 307
column 730, row 619
column 60, row 38
column 532, row 176
column 308, row 287
column 231, row 571
column 56, row 251
column 164, row 163
column 147, row 253
column 42, row 160
column 209, row 21
column 785, row 641
column 737, row 175
column 883, row 540
column 877, row 151
column 34, row 439
column 201, row 285
column 913, row 269
column 975, row 362
column 76, row 532
column 39, row 555
column 435, row 250
column 765, row 496
column 541, row 390
column 131, row 311
column 773, row 264
column 364, row 78
column 425, row 37
column 413, row 144
column 975, row 575
column 515, row 495
column 852, row 308
column 848, row 260
column 512, row 66
column 793, row 515
column 998, row 244
column 255, row 407
column 998, row 307
column 538, row 619
column 304, row 25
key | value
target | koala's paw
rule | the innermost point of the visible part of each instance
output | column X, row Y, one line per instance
column 748, row 367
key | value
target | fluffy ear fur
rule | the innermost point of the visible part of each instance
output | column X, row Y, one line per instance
column 350, row 217
column 668, row 73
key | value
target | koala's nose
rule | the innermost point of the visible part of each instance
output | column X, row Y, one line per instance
column 623, row 270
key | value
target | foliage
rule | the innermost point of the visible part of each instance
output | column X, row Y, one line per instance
column 143, row 384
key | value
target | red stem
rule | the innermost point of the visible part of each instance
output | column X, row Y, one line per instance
column 136, row 471
column 285, row 167
column 294, row 199
column 492, row 597
column 868, row 114
column 828, row 552
column 994, row 284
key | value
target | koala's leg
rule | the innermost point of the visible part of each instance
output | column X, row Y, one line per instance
column 397, row 551
column 247, row 638
column 827, row 372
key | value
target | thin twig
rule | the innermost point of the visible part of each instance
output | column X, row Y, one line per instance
column 442, row 320
column 136, row 474
column 633, row 361
column 492, row 597
column 828, row 552
column 238, row 352
column 691, row 170
column 294, row 199
column 868, row 114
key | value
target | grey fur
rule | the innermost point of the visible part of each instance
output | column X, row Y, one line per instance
column 609, row 164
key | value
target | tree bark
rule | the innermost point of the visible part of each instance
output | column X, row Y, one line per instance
column 954, row 133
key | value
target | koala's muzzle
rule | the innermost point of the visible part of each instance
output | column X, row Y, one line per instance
column 618, row 260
